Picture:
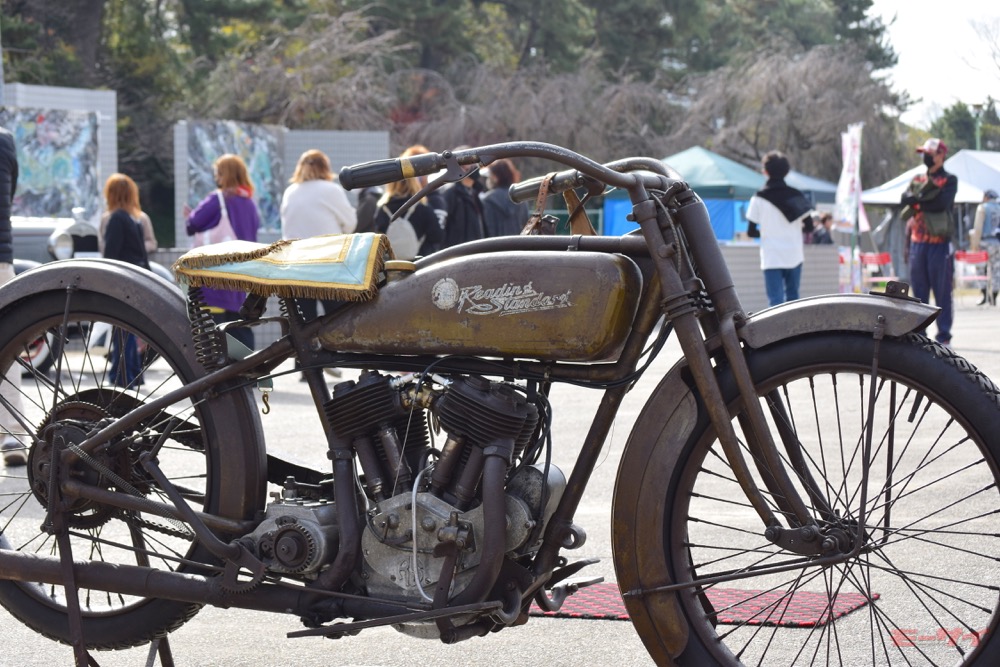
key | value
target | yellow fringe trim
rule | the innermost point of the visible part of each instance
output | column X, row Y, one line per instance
column 192, row 269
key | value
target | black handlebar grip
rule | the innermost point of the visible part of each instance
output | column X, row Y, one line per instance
column 368, row 174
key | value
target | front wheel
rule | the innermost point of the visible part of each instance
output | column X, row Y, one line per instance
column 922, row 587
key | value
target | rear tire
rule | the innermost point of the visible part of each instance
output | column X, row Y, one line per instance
column 926, row 570
column 215, row 435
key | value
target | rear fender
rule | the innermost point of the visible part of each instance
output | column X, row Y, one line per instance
column 164, row 303
column 123, row 281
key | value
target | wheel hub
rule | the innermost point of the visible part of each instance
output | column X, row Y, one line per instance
column 69, row 424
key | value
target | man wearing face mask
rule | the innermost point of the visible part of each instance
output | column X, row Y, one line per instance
column 927, row 210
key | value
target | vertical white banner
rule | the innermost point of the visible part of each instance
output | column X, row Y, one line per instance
column 849, row 211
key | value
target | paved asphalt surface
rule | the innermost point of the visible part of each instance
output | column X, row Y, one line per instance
column 236, row 637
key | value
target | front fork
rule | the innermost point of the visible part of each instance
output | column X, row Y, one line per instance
column 663, row 235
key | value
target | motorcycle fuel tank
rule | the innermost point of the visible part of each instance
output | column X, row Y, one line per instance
column 549, row 305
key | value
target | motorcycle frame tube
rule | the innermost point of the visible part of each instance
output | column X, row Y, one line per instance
column 195, row 588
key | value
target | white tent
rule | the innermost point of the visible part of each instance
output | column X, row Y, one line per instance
column 976, row 171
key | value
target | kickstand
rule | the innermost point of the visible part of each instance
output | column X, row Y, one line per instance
column 162, row 648
column 55, row 523
column 81, row 655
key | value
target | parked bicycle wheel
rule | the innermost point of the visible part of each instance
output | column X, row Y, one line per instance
column 917, row 581
column 93, row 384
column 39, row 354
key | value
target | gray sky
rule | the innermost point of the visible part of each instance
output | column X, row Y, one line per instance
column 941, row 58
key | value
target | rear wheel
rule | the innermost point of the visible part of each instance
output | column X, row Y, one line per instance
column 66, row 404
column 923, row 586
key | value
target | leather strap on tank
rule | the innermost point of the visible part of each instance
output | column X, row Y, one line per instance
column 579, row 221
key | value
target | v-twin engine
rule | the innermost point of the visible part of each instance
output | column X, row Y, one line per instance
column 425, row 519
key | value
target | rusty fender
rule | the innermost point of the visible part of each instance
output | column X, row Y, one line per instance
column 836, row 312
column 119, row 280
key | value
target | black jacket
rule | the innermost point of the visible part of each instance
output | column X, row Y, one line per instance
column 8, row 184
column 123, row 239
column 465, row 215
column 503, row 217
column 367, row 207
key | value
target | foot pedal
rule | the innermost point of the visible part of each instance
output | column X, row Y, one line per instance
column 554, row 599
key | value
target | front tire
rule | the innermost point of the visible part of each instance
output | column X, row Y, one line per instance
column 926, row 573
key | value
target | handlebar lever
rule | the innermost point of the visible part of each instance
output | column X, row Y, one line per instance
column 453, row 174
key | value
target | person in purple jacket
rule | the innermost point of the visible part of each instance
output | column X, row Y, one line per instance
column 233, row 180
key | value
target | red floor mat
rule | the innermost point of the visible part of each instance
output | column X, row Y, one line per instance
column 803, row 609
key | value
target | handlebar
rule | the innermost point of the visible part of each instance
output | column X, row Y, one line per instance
column 381, row 172
column 572, row 178
column 634, row 174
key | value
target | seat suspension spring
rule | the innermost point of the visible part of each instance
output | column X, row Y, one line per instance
column 208, row 340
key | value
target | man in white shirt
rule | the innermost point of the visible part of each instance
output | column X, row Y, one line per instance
column 779, row 215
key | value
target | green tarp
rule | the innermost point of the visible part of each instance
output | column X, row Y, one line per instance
column 713, row 176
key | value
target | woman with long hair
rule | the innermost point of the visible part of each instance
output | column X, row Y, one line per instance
column 234, row 197
column 314, row 203
column 123, row 240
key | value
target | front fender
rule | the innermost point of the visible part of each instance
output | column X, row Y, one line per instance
column 836, row 312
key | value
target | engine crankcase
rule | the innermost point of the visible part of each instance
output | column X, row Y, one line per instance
column 387, row 543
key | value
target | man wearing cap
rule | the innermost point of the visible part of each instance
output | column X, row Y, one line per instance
column 986, row 228
column 927, row 210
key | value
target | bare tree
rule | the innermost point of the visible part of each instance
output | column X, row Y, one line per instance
column 328, row 73
column 989, row 32
column 799, row 103
column 581, row 110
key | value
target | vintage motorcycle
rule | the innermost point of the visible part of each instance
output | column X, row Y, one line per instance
column 819, row 451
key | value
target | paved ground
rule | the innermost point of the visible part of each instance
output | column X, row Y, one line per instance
column 233, row 637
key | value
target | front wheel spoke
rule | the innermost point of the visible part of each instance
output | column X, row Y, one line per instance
column 767, row 550
column 771, row 607
column 924, row 598
column 882, row 618
column 759, row 567
column 928, row 485
column 723, row 501
column 919, row 578
column 951, row 505
column 908, row 576
column 924, row 540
